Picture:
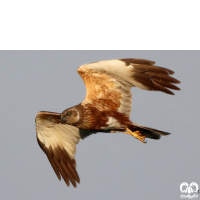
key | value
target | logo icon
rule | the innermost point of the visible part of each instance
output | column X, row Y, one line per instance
column 191, row 190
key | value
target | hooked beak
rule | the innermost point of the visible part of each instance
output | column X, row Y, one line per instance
column 62, row 119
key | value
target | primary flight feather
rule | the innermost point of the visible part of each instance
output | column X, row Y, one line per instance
column 106, row 108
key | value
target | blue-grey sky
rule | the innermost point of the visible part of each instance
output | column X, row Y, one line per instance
column 110, row 166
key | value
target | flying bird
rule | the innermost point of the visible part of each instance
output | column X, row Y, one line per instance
column 106, row 108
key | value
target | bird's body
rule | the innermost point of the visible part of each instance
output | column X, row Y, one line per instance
column 91, row 118
column 106, row 108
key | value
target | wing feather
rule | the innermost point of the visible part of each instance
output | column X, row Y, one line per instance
column 50, row 157
column 58, row 141
column 108, row 83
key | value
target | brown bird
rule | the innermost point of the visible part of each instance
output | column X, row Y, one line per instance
column 106, row 108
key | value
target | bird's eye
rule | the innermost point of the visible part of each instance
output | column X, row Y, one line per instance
column 69, row 113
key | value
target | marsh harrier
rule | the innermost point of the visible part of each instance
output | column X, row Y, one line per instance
column 106, row 108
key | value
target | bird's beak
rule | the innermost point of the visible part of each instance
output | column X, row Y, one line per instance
column 62, row 119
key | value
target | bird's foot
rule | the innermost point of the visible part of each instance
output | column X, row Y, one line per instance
column 136, row 134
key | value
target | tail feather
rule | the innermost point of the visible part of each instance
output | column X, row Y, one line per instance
column 148, row 132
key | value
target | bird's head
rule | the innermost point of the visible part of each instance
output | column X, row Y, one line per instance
column 70, row 116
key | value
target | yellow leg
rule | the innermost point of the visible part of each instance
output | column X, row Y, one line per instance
column 136, row 134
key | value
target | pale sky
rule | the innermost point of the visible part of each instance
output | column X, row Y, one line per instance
column 110, row 166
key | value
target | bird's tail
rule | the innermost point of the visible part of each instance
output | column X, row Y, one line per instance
column 147, row 132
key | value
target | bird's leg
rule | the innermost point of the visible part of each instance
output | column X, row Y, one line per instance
column 136, row 134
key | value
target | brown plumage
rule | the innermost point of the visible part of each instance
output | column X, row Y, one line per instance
column 106, row 108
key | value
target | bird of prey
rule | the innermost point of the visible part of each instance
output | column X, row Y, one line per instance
column 106, row 108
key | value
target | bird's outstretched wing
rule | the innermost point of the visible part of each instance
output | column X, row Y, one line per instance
column 108, row 83
column 58, row 141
